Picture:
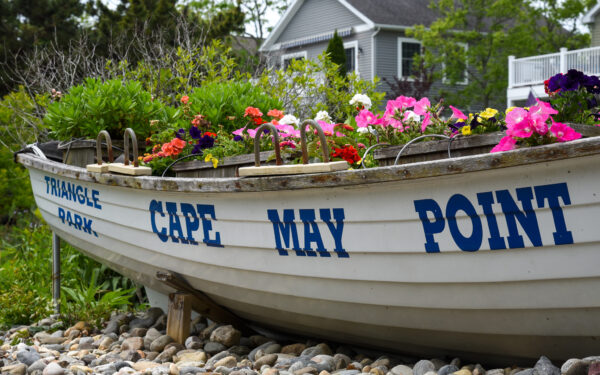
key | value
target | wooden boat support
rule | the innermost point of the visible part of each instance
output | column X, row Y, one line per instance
column 178, row 319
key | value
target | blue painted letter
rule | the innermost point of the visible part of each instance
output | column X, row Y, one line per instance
column 430, row 228
column 486, row 200
column 312, row 234
column 336, row 231
column 154, row 208
column 459, row 202
column 562, row 236
column 285, row 229
column 526, row 218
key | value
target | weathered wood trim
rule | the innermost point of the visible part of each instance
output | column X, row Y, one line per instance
column 515, row 158
column 230, row 160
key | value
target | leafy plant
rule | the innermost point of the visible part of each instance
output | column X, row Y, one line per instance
column 112, row 105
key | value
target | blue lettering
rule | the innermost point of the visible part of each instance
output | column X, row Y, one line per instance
column 80, row 196
column 336, row 231
column 78, row 221
column 174, row 223
column 71, row 188
column 64, row 193
column 47, row 184
column 205, row 209
column 562, row 236
column 430, row 227
column 95, row 198
column 154, row 208
column 486, row 200
column 54, row 192
column 87, row 225
column 526, row 218
column 312, row 234
column 285, row 230
column 61, row 214
column 192, row 223
column 459, row 202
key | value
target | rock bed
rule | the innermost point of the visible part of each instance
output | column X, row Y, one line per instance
column 138, row 345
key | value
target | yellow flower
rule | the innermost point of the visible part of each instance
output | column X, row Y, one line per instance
column 509, row 109
column 212, row 159
column 215, row 162
column 207, row 158
column 466, row 130
column 488, row 113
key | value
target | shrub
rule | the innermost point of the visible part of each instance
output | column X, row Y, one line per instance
column 112, row 105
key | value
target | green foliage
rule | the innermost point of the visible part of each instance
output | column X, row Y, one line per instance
column 26, row 270
column 224, row 103
column 21, row 119
column 113, row 106
column 307, row 87
column 337, row 54
column 476, row 37
column 15, row 189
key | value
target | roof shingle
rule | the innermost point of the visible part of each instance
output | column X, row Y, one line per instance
column 396, row 12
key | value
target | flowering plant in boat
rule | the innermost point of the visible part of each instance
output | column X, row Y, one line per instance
column 575, row 96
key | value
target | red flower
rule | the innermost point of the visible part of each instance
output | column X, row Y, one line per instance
column 347, row 153
column 258, row 121
column 185, row 99
column 210, row 134
column 275, row 113
column 252, row 112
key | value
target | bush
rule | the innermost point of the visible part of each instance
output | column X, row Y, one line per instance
column 112, row 105
column 224, row 103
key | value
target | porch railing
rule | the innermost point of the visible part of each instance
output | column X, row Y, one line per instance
column 534, row 70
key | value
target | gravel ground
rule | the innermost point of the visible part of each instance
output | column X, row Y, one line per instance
column 138, row 344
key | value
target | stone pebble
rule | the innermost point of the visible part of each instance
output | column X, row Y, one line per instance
column 138, row 344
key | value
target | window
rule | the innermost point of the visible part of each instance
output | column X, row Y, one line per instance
column 407, row 49
column 351, row 49
column 286, row 60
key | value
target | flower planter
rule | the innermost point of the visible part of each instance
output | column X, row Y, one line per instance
column 82, row 152
column 227, row 167
column 461, row 146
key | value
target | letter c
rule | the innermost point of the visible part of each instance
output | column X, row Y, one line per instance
column 156, row 206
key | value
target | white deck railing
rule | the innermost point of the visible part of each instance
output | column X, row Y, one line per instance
column 534, row 70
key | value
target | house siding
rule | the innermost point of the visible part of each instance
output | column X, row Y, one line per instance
column 595, row 31
column 318, row 16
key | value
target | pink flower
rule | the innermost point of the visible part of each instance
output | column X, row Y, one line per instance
column 239, row 132
column 405, row 102
column 289, row 144
column 426, row 121
column 563, row 133
column 366, row 118
column 518, row 123
column 538, row 120
column 543, row 108
column 506, row 144
column 251, row 132
column 422, row 106
column 275, row 113
column 457, row 114
column 185, row 99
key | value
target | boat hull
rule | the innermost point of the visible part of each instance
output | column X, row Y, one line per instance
column 484, row 262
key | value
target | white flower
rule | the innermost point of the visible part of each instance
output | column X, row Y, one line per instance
column 411, row 116
column 362, row 100
column 323, row 116
column 289, row 120
column 366, row 130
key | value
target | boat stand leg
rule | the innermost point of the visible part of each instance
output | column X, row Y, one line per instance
column 178, row 317
column 56, row 272
column 201, row 303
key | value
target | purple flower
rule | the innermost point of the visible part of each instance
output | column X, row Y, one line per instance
column 197, row 150
column 592, row 84
column 557, row 82
column 195, row 132
column 206, row 142
column 180, row 133
column 238, row 138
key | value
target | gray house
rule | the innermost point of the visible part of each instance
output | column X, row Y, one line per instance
column 373, row 32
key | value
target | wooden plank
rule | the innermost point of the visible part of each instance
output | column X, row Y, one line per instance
column 293, row 169
column 179, row 316
column 97, row 168
column 129, row 169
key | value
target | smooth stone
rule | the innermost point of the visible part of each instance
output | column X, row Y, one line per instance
column 593, row 358
column 295, row 349
column 151, row 335
column 223, row 370
column 126, row 371
column 239, row 350
column 159, row 344
column 258, row 340
column 568, row 363
column 142, row 366
column 45, row 338
column 495, row 371
column 212, row 347
column 301, row 363
column 53, row 368
column 151, row 356
column 229, row 362
column 341, row 361
column 403, row 370
column 38, row 365
column 107, row 368
column 16, row 369
column 382, row 361
column 267, row 359
column 161, row 323
column 323, row 362
column 111, row 327
column 27, row 357
column 148, row 319
column 462, row 371
column 423, row 366
column 130, row 355
column 270, row 371
column 347, row 372
column 545, row 367
column 273, row 348
column 306, row 370
column 206, row 332
column 321, row 348
column 133, row 343
column 105, row 343
column 78, row 368
column 528, row 371
column 447, row 369
column 217, row 357
column 226, row 335
column 190, row 370
column 86, row 343
column 355, row 366
column 193, row 342
column 166, row 355
column 379, row 371
column 138, row 332
column 177, row 346
column 196, row 356
column 438, row 363
column 263, row 346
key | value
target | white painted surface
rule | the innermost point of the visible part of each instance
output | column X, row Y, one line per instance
column 389, row 292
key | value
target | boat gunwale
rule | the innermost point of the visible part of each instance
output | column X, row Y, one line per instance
column 418, row 170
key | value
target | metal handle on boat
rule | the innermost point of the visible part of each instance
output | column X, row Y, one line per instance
column 130, row 133
column 421, row 137
column 324, row 147
column 369, row 150
column 99, row 147
column 259, row 130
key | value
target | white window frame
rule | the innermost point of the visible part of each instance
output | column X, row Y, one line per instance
column 291, row 56
column 400, row 41
column 353, row 44
column 445, row 81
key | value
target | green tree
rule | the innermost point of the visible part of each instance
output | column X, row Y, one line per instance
column 337, row 54
column 558, row 23
column 471, row 40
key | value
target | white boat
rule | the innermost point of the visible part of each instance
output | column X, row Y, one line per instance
column 490, row 256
